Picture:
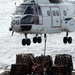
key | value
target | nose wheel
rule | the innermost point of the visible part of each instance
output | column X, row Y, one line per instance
column 26, row 41
column 67, row 39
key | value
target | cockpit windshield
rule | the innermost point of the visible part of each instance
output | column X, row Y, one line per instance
column 21, row 9
column 29, row 10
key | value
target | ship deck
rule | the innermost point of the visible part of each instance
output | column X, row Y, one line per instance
column 7, row 72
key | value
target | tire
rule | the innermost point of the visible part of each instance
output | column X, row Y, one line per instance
column 23, row 42
column 35, row 40
column 28, row 41
column 65, row 40
column 69, row 40
column 39, row 40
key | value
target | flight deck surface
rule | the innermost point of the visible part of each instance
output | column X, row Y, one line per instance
column 7, row 72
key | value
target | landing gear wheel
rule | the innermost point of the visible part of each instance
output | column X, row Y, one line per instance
column 28, row 41
column 70, row 40
column 35, row 40
column 39, row 39
column 65, row 40
column 23, row 42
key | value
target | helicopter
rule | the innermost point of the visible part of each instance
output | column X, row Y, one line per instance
column 43, row 17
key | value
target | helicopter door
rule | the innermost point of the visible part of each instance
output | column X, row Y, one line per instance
column 56, row 17
column 38, row 16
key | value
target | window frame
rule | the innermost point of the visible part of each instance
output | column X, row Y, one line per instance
column 58, row 13
column 54, row 13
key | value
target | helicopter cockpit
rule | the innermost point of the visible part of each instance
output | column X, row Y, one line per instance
column 24, row 9
column 29, row 12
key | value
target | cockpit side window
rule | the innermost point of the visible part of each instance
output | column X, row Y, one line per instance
column 36, row 11
column 39, row 10
column 37, row 14
column 29, row 10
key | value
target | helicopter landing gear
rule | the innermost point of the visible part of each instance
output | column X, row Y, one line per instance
column 26, row 41
column 37, row 39
column 67, row 39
